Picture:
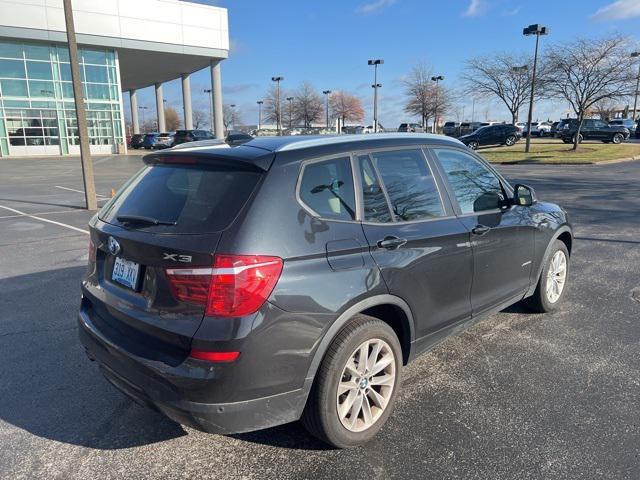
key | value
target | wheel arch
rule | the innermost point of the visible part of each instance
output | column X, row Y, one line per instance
column 390, row 309
column 565, row 235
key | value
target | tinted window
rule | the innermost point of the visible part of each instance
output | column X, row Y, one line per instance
column 198, row 199
column 412, row 191
column 376, row 208
column 327, row 188
column 474, row 184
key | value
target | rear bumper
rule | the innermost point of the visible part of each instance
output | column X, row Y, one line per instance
column 157, row 385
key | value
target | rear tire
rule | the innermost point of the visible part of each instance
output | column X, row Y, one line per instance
column 617, row 138
column 552, row 282
column 510, row 141
column 580, row 139
column 360, row 385
column 473, row 145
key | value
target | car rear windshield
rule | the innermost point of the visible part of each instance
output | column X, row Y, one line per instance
column 181, row 199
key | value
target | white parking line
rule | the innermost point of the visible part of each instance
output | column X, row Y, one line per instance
column 54, row 212
column 79, row 191
column 71, row 227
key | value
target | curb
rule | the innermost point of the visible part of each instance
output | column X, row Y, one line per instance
column 573, row 164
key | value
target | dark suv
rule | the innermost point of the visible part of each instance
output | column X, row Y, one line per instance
column 184, row 136
column 499, row 134
column 238, row 288
column 593, row 129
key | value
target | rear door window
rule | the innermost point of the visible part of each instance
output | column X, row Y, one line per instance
column 182, row 198
column 326, row 187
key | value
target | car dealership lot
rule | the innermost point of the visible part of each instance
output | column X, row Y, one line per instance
column 516, row 396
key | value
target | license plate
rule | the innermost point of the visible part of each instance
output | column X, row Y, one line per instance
column 125, row 272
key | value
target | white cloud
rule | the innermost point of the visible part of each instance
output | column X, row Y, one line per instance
column 618, row 10
column 511, row 13
column 475, row 8
column 375, row 6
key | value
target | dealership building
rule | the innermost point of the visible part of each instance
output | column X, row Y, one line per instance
column 124, row 45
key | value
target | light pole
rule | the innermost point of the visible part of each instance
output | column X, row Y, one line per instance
column 635, row 94
column 375, row 64
column 233, row 114
column 435, row 110
column 259, row 102
column 143, row 109
column 208, row 92
column 326, row 102
column 290, row 100
column 537, row 30
column 278, row 112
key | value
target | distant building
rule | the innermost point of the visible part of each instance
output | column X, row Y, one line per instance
column 124, row 45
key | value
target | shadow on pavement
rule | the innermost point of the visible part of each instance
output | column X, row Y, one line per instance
column 48, row 386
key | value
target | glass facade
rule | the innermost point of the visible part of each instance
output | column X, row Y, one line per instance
column 36, row 98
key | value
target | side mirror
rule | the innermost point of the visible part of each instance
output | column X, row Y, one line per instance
column 488, row 201
column 524, row 195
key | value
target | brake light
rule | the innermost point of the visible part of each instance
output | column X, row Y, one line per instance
column 92, row 251
column 214, row 356
column 237, row 285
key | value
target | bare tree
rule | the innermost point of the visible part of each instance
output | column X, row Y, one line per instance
column 307, row 104
column 505, row 76
column 605, row 109
column 200, row 119
column 586, row 72
column 345, row 107
column 425, row 98
column 171, row 119
column 230, row 116
column 270, row 109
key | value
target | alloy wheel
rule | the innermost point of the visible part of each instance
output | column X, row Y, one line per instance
column 556, row 276
column 366, row 385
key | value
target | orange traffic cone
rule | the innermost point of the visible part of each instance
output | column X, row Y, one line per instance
column 113, row 192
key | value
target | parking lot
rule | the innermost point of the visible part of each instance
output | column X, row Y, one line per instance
column 517, row 396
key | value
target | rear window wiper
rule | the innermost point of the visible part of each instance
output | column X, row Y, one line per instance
column 142, row 219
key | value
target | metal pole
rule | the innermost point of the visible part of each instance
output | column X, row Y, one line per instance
column 81, row 116
column 435, row 111
column 259, row 102
column 208, row 92
column 375, row 98
column 327, row 109
column 278, row 107
column 533, row 83
column 635, row 97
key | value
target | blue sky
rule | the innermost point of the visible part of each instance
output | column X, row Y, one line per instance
column 328, row 43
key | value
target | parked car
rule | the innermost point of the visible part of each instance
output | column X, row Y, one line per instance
column 500, row 134
column 541, row 129
column 628, row 123
column 353, row 129
column 369, row 129
column 521, row 126
column 554, row 129
column 560, row 127
column 163, row 140
column 184, row 136
column 206, row 299
column 149, row 140
column 411, row 128
column 593, row 129
column 451, row 129
column 136, row 141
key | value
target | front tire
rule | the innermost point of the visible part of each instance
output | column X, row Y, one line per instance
column 473, row 145
column 356, row 385
column 552, row 282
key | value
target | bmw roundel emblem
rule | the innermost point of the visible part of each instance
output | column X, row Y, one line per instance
column 113, row 245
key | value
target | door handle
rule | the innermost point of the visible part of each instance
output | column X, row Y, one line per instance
column 480, row 229
column 391, row 242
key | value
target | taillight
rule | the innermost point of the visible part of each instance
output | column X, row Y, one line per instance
column 92, row 252
column 237, row 285
column 214, row 356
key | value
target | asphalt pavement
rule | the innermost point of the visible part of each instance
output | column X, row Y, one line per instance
column 519, row 395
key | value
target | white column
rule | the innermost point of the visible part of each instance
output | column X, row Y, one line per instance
column 216, row 91
column 133, row 96
column 160, row 108
column 186, row 101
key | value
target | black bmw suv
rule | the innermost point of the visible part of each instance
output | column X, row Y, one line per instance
column 498, row 134
column 593, row 129
column 238, row 288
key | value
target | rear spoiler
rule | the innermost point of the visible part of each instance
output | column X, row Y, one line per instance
column 241, row 157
